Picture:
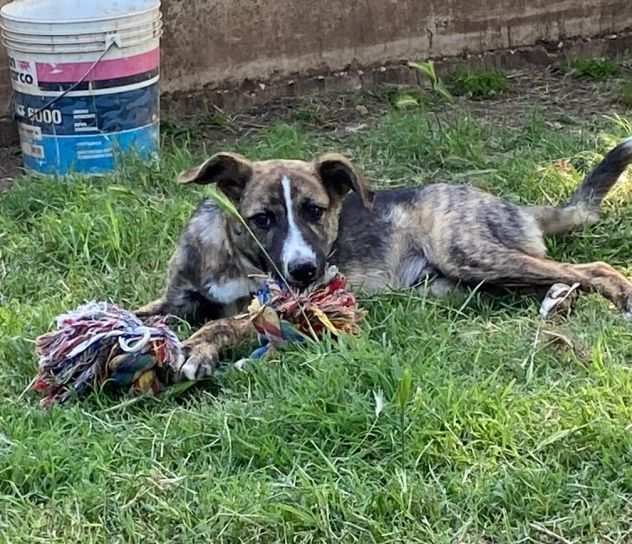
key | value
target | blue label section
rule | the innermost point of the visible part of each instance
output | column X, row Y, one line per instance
column 88, row 154
column 90, row 115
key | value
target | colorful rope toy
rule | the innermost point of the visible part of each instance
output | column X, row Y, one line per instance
column 101, row 344
column 282, row 316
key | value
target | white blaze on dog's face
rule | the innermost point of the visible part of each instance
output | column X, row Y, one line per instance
column 298, row 256
column 292, row 207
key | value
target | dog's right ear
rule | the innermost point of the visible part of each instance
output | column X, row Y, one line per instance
column 229, row 171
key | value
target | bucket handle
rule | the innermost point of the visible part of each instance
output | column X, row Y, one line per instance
column 110, row 42
column 112, row 38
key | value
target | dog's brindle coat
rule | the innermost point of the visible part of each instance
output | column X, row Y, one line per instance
column 306, row 215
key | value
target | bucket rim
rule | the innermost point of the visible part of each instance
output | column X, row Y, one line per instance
column 77, row 37
column 8, row 29
column 5, row 16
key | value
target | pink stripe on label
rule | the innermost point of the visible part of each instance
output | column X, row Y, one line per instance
column 70, row 72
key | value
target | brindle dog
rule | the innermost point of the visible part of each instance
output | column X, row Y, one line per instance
column 310, row 214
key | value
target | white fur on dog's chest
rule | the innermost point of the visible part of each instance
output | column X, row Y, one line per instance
column 230, row 290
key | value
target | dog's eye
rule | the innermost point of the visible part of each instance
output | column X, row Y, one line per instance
column 262, row 220
column 313, row 213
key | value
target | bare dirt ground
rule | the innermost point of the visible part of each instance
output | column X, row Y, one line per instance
column 10, row 162
column 561, row 98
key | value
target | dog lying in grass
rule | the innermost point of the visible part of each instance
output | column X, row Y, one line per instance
column 306, row 215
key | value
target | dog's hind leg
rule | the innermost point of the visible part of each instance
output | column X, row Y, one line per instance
column 514, row 269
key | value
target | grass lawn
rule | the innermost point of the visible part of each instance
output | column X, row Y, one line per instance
column 512, row 431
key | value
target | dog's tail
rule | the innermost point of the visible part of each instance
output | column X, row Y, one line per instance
column 583, row 206
column 597, row 184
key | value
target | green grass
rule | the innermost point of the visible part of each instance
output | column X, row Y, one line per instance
column 440, row 423
column 478, row 84
column 595, row 69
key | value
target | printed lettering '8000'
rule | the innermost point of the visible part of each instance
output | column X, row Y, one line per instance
column 46, row 116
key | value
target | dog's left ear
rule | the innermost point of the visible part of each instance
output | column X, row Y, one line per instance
column 339, row 177
column 229, row 171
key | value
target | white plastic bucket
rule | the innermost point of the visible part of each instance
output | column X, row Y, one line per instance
column 86, row 80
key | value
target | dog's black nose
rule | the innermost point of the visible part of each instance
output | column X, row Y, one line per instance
column 302, row 272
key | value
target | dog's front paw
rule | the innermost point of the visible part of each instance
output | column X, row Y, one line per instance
column 157, row 307
column 199, row 363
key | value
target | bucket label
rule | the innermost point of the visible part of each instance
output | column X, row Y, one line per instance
column 31, row 141
column 46, row 116
column 100, row 113
column 23, row 73
column 89, row 153
column 107, row 74
column 87, row 133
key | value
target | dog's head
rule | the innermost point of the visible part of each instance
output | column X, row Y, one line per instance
column 292, row 207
